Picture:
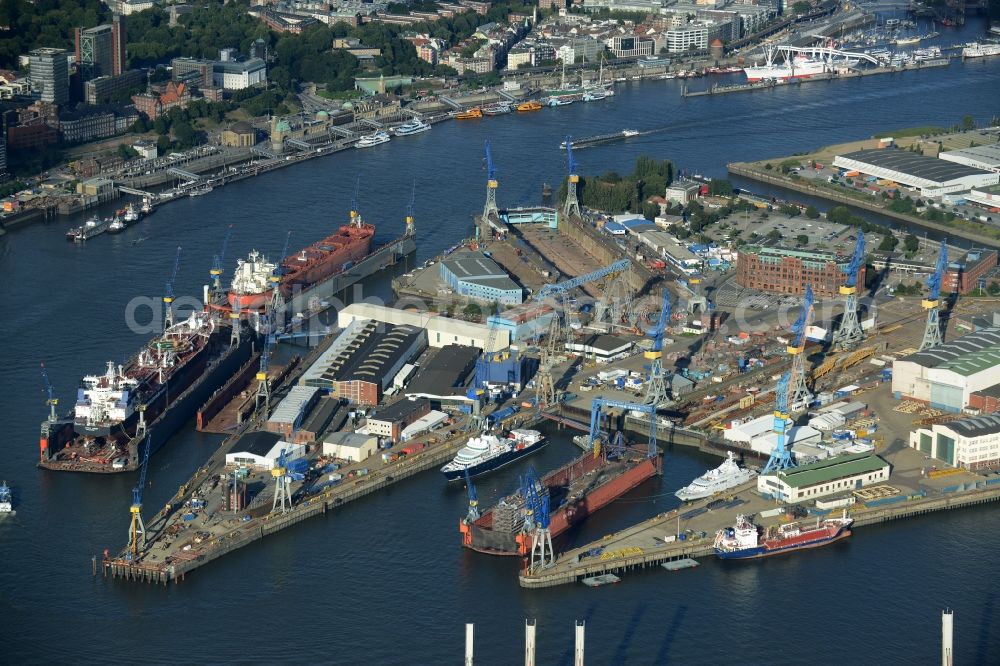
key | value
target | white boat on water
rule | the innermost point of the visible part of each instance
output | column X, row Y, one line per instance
column 486, row 453
column 6, row 505
column 198, row 191
column 369, row 140
column 980, row 50
column 414, row 126
column 727, row 475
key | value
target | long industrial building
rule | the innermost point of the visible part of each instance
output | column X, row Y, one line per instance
column 971, row 443
column 784, row 271
column 986, row 157
column 441, row 331
column 932, row 176
column 363, row 360
column 947, row 375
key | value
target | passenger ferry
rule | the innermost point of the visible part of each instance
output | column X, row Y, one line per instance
column 369, row 140
column 414, row 126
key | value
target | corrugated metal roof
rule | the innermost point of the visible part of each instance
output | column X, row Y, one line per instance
column 289, row 409
column 958, row 349
column 915, row 165
column 977, row 426
column 831, row 469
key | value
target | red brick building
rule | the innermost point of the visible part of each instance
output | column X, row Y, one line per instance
column 782, row 271
column 154, row 104
column 963, row 275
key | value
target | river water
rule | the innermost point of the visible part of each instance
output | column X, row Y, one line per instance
column 385, row 580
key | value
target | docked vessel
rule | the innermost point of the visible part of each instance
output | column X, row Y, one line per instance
column 564, row 97
column 470, row 114
column 530, row 105
column 154, row 392
column 6, row 503
column 904, row 41
column 497, row 109
column 486, row 453
column 94, row 226
column 799, row 67
column 374, row 139
column 117, row 225
column 601, row 138
column 131, row 214
column 980, row 50
column 147, row 206
column 745, row 540
column 575, row 491
column 727, row 475
column 414, row 126
column 199, row 191
column 252, row 284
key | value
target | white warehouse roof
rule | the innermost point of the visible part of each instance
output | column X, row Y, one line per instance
column 978, row 157
column 441, row 330
column 750, row 429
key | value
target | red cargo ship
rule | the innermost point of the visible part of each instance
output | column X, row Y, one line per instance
column 577, row 489
column 744, row 540
column 252, row 283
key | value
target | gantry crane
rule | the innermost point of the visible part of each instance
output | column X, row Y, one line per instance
column 216, row 271
column 282, row 485
column 52, row 400
column 473, row 514
column 168, row 294
column 932, row 331
column 849, row 334
column 572, row 206
column 799, row 396
column 599, row 404
column 491, row 186
column 781, row 456
column 656, row 389
column 137, row 530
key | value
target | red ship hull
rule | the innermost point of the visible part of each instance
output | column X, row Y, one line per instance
column 481, row 537
column 249, row 301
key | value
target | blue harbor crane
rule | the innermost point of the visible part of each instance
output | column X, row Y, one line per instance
column 168, row 294
column 932, row 331
column 277, row 298
column 473, row 514
column 799, row 396
column 781, row 456
column 355, row 212
column 491, row 186
column 572, row 206
column 282, row 485
column 216, row 270
column 410, row 228
column 656, row 389
column 137, row 530
column 567, row 285
column 537, row 523
column 263, row 399
column 52, row 399
column 849, row 334
column 599, row 404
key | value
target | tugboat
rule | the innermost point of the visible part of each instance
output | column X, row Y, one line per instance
column 488, row 452
column 744, row 540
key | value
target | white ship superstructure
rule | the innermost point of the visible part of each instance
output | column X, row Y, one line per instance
column 104, row 400
column 980, row 50
column 727, row 475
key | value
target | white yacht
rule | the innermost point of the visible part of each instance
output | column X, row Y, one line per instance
column 369, row 140
column 414, row 126
column 486, row 453
column 727, row 475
